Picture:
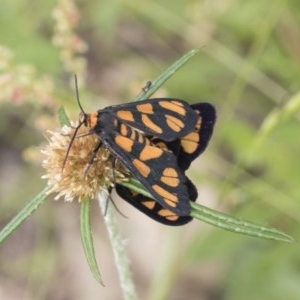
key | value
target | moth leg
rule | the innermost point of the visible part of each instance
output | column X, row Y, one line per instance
column 114, row 170
column 94, row 153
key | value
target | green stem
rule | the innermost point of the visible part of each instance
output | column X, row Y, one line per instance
column 117, row 244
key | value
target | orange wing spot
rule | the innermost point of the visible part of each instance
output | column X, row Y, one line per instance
column 150, row 152
column 123, row 129
column 172, row 218
column 173, row 106
column 149, row 204
column 133, row 135
column 92, row 120
column 141, row 138
column 170, row 181
column 124, row 142
column 125, row 115
column 161, row 145
column 169, row 198
column 198, row 124
column 170, row 203
column 146, row 108
column 170, row 177
column 170, row 172
column 190, row 142
column 133, row 193
column 168, row 215
column 174, row 123
column 141, row 167
column 147, row 122
column 147, row 141
column 177, row 103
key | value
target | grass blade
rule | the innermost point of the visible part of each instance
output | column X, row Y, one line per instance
column 236, row 225
column 163, row 77
column 23, row 214
column 87, row 239
column 221, row 220
column 62, row 117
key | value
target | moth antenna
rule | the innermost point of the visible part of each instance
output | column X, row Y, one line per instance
column 70, row 145
column 79, row 125
column 77, row 95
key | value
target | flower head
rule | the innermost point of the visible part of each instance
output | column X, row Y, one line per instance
column 76, row 176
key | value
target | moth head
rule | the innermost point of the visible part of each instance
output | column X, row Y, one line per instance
column 83, row 120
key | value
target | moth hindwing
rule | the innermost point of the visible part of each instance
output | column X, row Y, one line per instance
column 189, row 147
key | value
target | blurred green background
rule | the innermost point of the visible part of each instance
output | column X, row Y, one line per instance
column 249, row 68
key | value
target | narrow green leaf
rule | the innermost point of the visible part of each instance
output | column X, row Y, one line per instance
column 159, row 81
column 276, row 117
column 236, row 225
column 135, row 185
column 221, row 220
column 87, row 239
column 23, row 214
column 62, row 117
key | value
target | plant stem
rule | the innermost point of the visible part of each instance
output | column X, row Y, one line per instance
column 117, row 244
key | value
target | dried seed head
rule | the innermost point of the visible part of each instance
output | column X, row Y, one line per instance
column 75, row 181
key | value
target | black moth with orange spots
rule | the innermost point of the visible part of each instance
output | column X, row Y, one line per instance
column 126, row 130
column 186, row 149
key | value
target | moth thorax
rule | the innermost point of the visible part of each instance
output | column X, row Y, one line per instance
column 92, row 120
